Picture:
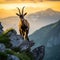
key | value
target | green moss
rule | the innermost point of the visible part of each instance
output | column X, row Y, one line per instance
column 22, row 55
column 16, row 49
column 4, row 38
column 8, row 30
column 29, row 54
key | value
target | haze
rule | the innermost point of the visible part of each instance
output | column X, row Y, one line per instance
column 9, row 9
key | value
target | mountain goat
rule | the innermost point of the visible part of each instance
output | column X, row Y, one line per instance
column 23, row 24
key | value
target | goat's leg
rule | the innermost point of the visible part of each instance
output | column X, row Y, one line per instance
column 26, row 36
column 21, row 32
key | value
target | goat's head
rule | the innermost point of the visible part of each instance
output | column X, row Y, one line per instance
column 21, row 14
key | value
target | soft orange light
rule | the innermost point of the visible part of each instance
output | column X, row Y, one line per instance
column 13, row 6
column 10, row 9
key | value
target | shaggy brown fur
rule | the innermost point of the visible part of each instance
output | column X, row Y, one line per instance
column 23, row 25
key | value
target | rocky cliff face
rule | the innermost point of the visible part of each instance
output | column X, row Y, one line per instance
column 14, row 47
column 1, row 28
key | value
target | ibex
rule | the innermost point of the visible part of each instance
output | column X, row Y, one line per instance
column 23, row 24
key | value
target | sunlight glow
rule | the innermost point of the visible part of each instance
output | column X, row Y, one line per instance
column 13, row 6
column 11, row 9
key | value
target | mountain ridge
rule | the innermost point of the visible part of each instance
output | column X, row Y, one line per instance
column 47, row 10
column 46, row 30
column 49, row 36
column 36, row 20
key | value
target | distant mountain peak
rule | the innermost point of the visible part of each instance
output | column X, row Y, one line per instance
column 49, row 9
column 50, row 12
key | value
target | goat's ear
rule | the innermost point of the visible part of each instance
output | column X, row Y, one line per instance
column 17, row 14
column 25, row 13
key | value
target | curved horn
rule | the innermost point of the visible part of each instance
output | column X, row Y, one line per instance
column 19, row 10
column 23, row 10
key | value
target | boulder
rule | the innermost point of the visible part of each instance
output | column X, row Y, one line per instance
column 39, row 53
column 26, row 45
column 15, row 39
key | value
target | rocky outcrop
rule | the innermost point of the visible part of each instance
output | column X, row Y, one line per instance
column 1, row 28
column 17, row 41
column 19, row 48
column 39, row 53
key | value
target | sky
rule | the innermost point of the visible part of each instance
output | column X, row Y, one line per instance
column 8, row 7
column 18, row 1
